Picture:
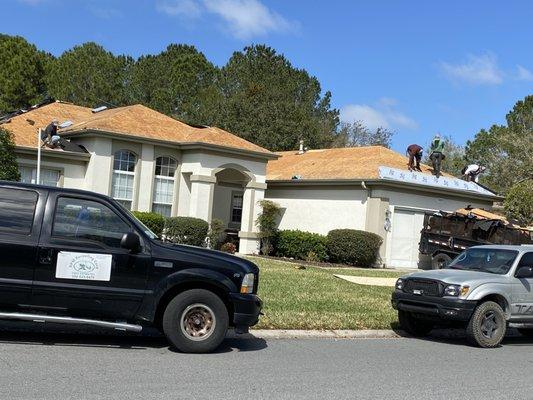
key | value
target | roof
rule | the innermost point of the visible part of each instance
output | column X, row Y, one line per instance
column 24, row 126
column 333, row 164
column 136, row 120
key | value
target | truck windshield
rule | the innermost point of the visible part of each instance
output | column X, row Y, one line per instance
column 494, row 261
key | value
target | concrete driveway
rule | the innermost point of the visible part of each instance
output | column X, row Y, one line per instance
column 51, row 365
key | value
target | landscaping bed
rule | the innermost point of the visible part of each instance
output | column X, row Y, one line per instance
column 313, row 298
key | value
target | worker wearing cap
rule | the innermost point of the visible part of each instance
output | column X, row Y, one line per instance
column 437, row 146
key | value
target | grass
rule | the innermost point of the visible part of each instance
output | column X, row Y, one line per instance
column 313, row 298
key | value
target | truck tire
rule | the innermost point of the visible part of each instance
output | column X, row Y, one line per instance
column 487, row 326
column 440, row 261
column 414, row 326
column 196, row 321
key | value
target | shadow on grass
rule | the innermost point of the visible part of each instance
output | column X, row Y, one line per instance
column 26, row 333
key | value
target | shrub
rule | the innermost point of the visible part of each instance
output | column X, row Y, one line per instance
column 228, row 248
column 186, row 230
column 216, row 233
column 9, row 170
column 267, row 224
column 155, row 222
column 353, row 247
column 301, row 245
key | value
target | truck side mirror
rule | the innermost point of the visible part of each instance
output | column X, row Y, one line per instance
column 131, row 242
column 524, row 272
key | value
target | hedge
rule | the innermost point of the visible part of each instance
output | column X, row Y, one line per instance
column 155, row 222
column 353, row 247
column 301, row 245
column 186, row 230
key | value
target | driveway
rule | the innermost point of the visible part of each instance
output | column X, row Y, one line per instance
column 51, row 365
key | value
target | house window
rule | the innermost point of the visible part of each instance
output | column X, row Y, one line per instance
column 49, row 177
column 236, row 207
column 165, row 170
column 123, row 177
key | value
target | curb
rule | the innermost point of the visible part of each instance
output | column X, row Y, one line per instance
column 316, row 334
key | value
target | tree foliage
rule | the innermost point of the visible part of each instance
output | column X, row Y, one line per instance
column 356, row 134
column 506, row 150
column 179, row 82
column 8, row 162
column 519, row 202
column 89, row 75
column 22, row 69
column 268, row 101
column 267, row 222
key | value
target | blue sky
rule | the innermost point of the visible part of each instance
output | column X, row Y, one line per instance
column 416, row 67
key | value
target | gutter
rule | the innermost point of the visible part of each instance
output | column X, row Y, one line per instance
column 179, row 145
column 52, row 153
column 377, row 183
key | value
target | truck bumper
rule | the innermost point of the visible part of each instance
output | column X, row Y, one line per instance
column 246, row 310
column 443, row 308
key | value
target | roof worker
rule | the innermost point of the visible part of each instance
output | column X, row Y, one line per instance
column 49, row 136
column 437, row 154
column 471, row 172
column 414, row 152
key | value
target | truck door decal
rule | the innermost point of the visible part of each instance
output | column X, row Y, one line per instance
column 84, row 266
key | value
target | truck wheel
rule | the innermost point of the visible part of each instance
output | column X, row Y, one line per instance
column 196, row 321
column 440, row 261
column 487, row 325
column 526, row 332
column 414, row 326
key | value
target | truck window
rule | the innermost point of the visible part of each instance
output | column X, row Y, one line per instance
column 526, row 260
column 88, row 220
column 17, row 208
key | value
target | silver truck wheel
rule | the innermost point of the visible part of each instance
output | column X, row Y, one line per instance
column 487, row 326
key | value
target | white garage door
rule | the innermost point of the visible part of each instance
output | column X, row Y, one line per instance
column 406, row 227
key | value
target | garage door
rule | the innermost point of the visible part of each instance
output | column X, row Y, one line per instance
column 406, row 227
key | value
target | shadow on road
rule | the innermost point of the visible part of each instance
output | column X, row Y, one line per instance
column 80, row 336
column 455, row 336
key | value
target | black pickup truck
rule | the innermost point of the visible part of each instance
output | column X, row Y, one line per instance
column 77, row 257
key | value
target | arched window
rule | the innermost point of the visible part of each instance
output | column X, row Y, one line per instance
column 123, row 177
column 165, row 171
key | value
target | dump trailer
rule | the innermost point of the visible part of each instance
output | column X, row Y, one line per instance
column 445, row 234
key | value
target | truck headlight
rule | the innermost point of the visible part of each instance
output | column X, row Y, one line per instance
column 456, row 290
column 248, row 284
column 399, row 284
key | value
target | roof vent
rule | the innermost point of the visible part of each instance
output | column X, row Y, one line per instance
column 302, row 149
column 98, row 109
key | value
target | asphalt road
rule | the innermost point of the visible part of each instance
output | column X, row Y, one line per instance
column 37, row 365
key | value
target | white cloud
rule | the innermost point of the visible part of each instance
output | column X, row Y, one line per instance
column 248, row 18
column 242, row 18
column 477, row 70
column 382, row 114
column 524, row 74
column 183, row 8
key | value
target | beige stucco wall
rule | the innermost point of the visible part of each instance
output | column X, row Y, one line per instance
column 72, row 172
column 319, row 208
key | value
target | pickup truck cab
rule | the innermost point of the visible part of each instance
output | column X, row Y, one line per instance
column 71, row 256
column 485, row 289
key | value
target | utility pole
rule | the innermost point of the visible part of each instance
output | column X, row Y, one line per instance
column 38, row 180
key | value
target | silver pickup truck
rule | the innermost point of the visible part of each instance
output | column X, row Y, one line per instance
column 485, row 289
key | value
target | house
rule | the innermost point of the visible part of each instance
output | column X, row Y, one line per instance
column 151, row 162
column 366, row 188
column 148, row 162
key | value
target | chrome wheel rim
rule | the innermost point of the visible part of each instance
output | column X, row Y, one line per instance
column 197, row 322
column 489, row 325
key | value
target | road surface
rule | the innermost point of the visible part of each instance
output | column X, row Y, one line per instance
column 51, row 365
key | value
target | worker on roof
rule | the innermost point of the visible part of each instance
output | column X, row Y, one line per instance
column 437, row 146
column 414, row 152
column 471, row 172
column 49, row 135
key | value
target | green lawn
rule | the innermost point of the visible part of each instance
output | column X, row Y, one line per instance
column 313, row 298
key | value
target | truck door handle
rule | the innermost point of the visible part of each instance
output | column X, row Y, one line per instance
column 45, row 256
